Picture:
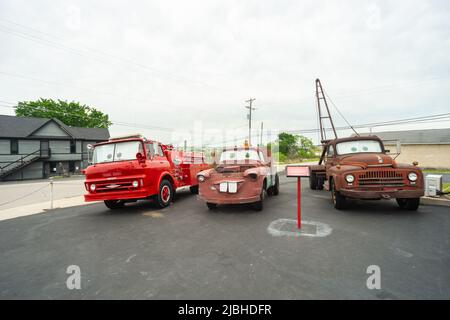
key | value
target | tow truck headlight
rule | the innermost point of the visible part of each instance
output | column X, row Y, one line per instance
column 93, row 186
column 350, row 178
column 412, row 176
column 135, row 183
column 201, row 178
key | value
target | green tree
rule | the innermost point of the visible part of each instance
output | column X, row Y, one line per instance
column 307, row 149
column 287, row 144
column 295, row 146
column 70, row 113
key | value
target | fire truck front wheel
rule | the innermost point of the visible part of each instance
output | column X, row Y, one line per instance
column 194, row 189
column 165, row 194
column 408, row 204
column 114, row 204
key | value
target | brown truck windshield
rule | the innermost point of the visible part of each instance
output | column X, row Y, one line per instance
column 358, row 146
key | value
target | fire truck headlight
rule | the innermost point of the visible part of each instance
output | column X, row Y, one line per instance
column 93, row 186
column 412, row 176
column 135, row 183
column 350, row 178
column 201, row 178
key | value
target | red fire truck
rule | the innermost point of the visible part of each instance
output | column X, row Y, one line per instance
column 130, row 168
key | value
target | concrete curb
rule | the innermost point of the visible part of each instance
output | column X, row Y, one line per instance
column 429, row 201
column 40, row 207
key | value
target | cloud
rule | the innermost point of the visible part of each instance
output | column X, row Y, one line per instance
column 170, row 63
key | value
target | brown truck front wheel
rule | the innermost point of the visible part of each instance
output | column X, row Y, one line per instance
column 408, row 204
column 339, row 201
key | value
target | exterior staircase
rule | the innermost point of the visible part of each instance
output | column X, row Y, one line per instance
column 24, row 161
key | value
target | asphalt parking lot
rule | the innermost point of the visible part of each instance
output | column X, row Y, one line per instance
column 189, row 252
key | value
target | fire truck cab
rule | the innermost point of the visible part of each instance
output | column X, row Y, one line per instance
column 130, row 168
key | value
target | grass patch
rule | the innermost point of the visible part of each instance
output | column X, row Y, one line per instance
column 436, row 171
column 445, row 186
column 289, row 161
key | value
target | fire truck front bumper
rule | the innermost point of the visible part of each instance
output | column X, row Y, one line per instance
column 381, row 194
column 116, row 195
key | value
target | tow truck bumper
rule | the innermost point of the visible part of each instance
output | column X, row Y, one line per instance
column 234, row 199
column 381, row 194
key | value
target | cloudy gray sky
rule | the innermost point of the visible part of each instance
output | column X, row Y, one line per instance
column 162, row 65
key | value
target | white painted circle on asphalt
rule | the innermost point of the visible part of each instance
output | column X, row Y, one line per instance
column 288, row 227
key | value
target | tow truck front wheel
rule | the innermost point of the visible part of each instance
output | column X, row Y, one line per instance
column 408, row 204
column 339, row 201
column 114, row 204
column 165, row 195
column 259, row 205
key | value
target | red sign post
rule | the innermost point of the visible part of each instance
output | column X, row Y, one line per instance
column 299, row 172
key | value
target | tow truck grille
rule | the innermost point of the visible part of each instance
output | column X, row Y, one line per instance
column 381, row 178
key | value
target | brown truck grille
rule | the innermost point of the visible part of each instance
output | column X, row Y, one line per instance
column 381, row 178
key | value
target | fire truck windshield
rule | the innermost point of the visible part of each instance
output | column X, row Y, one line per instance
column 119, row 151
column 358, row 146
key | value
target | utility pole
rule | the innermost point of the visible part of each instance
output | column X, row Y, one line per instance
column 262, row 127
column 250, row 102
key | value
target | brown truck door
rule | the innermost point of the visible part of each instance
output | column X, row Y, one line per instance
column 330, row 157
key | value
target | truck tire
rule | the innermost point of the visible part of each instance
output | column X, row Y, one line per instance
column 319, row 183
column 339, row 201
column 259, row 205
column 276, row 187
column 165, row 194
column 194, row 189
column 312, row 181
column 114, row 204
column 408, row 204
column 211, row 206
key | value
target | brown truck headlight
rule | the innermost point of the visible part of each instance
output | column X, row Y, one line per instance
column 253, row 176
column 350, row 178
column 201, row 178
column 412, row 176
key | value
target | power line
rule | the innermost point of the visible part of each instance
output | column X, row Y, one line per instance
column 340, row 113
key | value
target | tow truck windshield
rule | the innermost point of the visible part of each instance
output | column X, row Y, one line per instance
column 358, row 146
column 240, row 155
column 119, row 151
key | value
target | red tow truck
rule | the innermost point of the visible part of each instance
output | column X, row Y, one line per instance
column 130, row 168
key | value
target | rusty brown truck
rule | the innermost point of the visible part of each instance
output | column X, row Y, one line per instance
column 359, row 167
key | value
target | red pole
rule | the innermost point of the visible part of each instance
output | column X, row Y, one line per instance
column 299, row 202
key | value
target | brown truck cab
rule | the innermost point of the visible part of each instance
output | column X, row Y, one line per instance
column 360, row 168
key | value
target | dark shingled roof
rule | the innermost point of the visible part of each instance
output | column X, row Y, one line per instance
column 22, row 127
column 430, row 136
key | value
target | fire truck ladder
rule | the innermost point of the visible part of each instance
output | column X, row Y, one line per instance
column 323, row 113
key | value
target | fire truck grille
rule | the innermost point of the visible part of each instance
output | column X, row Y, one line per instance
column 381, row 178
column 114, row 186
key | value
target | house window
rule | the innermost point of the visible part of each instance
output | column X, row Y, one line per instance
column 73, row 146
column 14, row 146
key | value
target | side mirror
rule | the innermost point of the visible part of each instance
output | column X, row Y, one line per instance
column 140, row 157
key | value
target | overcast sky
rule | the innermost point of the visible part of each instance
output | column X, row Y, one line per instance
column 192, row 64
